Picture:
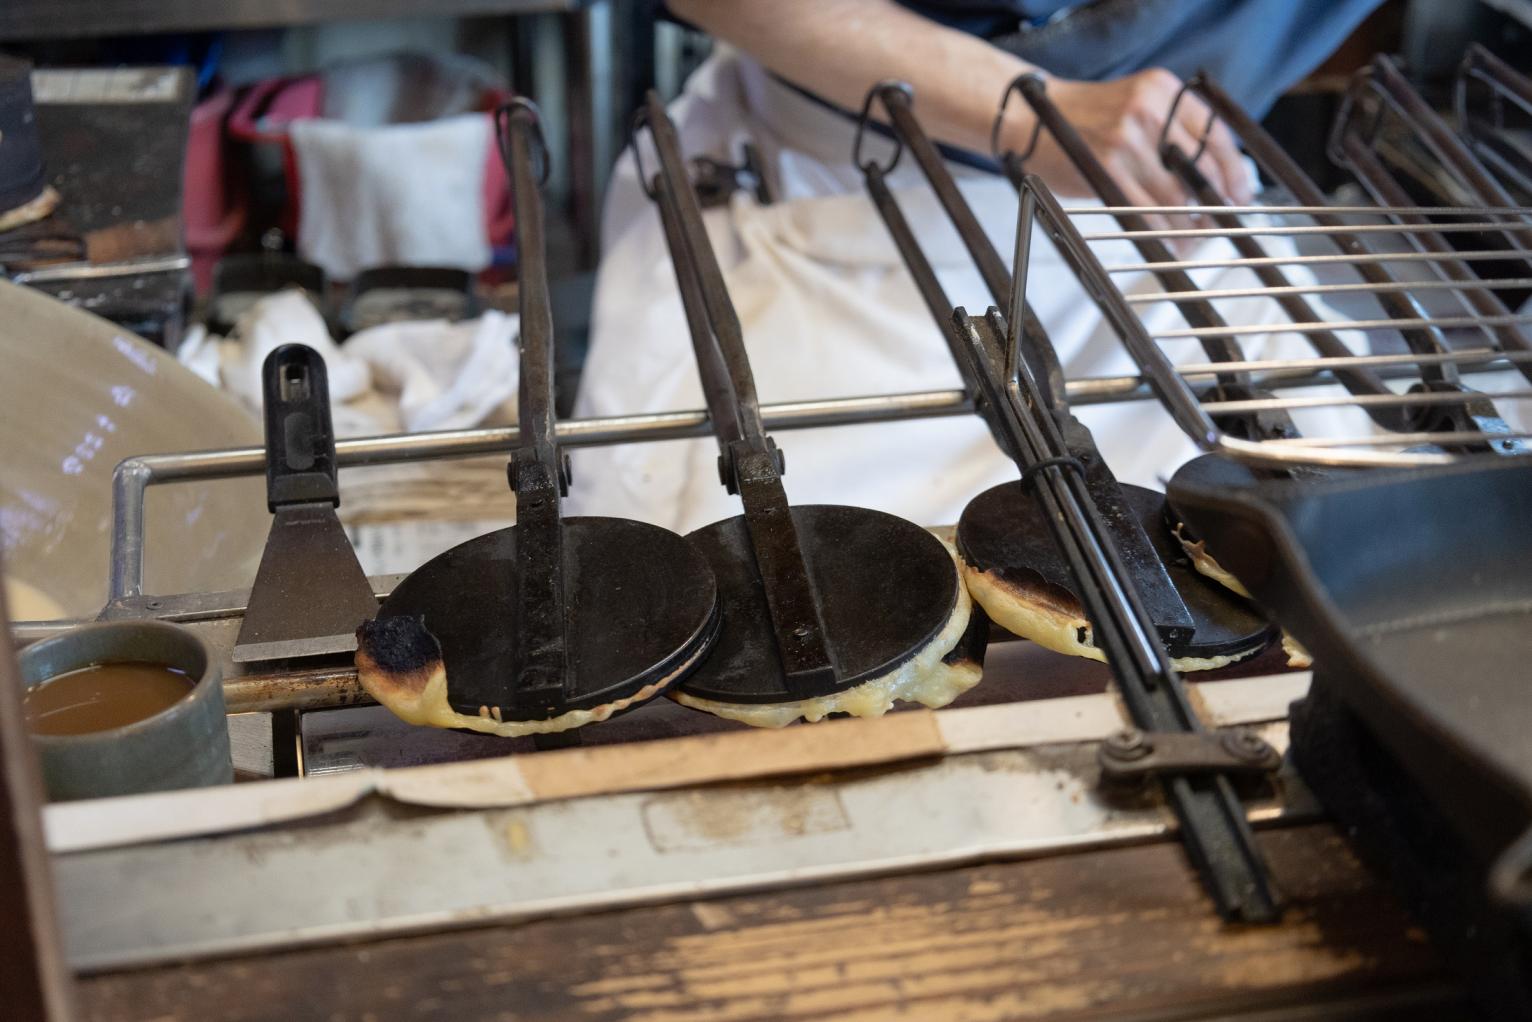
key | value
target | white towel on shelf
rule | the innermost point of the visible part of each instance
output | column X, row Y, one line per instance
column 392, row 194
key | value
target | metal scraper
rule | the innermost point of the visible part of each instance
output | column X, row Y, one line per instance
column 310, row 592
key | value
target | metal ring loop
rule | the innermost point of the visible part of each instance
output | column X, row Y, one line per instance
column 539, row 151
column 1014, row 86
column 866, row 166
column 1194, row 82
column 639, row 122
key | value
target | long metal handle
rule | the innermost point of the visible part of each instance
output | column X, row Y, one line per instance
column 537, row 470
column 897, row 99
column 749, row 463
column 721, row 355
column 1167, row 609
column 1212, row 819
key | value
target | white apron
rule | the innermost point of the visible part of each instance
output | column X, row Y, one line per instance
column 828, row 310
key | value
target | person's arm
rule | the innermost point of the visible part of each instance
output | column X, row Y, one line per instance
column 839, row 48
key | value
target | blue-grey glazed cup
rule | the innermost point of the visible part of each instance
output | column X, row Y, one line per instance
column 183, row 746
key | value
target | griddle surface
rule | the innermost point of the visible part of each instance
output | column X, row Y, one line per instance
column 640, row 601
column 1002, row 530
column 886, row 588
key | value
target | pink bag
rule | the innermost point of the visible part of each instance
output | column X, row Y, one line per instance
column 213, row 207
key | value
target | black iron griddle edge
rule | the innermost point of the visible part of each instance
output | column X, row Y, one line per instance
column 1166, row 607
column 537, row 471
column 749, row 462
column 1212, row 820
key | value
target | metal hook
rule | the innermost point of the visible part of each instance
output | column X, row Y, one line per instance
column 1015, row 86
column 1194, row 82
column 1345, row 117
column 876, row 92
column 539, row 150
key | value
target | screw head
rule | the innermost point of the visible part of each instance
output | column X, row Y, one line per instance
column 1248, row 746
column 1129, row 743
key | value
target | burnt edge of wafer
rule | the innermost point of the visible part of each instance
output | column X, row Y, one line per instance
column 399, row 644
column 1032, row 590
column 399, row 652
column 974, row 642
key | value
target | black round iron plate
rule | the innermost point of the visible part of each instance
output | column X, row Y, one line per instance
column 640, row 602
column 1003, row 530
column 886, row 588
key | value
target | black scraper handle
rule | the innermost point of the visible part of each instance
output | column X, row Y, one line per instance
column 300, row 440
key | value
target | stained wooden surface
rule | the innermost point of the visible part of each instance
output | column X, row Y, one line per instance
column 1120, row 933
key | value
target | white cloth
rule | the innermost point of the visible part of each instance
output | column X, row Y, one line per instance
column 287, row 317
column 408, row 376
column 828, row 310
column 444, row 375
column 392, row 194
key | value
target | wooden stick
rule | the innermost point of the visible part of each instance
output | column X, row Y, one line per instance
column 33, row 976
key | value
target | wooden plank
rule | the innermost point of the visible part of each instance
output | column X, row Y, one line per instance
column 34, row 980
column 1122, row 933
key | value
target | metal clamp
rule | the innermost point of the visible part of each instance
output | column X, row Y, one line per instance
column 1136, row 756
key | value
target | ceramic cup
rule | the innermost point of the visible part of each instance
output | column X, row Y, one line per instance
column 183, row 746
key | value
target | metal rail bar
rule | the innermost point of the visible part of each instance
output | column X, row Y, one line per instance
column 134, row 475
column 1282, row 230
column 1464, row 356
column 1355, row 260
column 1421, row 399
column 1280, row 290
column 1337, row 210
column 1247, row 329
column 1454, row 437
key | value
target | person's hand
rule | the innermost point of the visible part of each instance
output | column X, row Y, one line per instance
column 1121, row 122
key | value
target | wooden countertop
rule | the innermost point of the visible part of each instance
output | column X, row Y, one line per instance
column 1112, row 934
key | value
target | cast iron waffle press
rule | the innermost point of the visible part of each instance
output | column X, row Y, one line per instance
column 1212, row 821
column 1001, row 532
column 554, row 622
column 819, row 599
column 1414, row 592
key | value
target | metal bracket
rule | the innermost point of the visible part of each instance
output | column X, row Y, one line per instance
column 1137, row 756
column 715, row 181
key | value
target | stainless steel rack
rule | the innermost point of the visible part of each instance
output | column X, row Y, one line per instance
column 1434, row 312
